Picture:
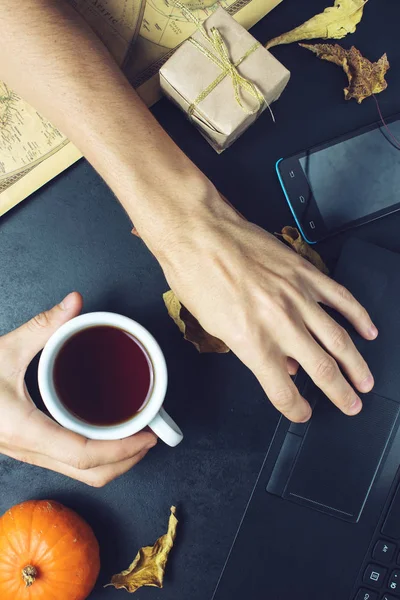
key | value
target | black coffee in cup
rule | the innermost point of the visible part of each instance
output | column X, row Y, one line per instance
column 103, row 375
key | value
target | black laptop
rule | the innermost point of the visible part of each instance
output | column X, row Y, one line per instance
column 323, row 520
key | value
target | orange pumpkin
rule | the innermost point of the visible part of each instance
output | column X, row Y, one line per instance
column 47, row 552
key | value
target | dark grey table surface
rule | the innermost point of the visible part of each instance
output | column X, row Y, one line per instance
column 72, row 234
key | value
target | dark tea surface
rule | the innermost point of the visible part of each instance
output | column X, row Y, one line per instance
column 102, row 375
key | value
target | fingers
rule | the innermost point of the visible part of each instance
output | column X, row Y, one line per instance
column 339, row 298
column 338, row 343
column 284, row 395
column 292, row 366
column 42, row 435
column 280, row 389
column 26, row 341
column 96, row 477
column 325, row 372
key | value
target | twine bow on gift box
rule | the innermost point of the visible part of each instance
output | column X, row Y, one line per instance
column 228, row 68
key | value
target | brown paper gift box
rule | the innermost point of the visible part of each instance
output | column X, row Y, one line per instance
column 189, row 72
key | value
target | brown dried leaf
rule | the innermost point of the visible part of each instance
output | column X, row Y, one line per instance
column 148, row 568
column 292, row 236
column 335, row 22
column 365, row 78
column 191, row 328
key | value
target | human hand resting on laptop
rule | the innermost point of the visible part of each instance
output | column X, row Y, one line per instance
column 27, row 434
column 250, row 290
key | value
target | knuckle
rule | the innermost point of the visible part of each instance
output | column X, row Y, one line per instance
column 41, row 321
column 74, row 462
column 81, row 462
column 306, row 271
column 291, row 290
column 339, row 339
column 289, row 322
column 289, row 300
column 326, row 370
column 97, row 481
column 84, row 460
column 347, row 398
column 344, row 294
column 280, row 308
column 288, row 287
column 244, row 331
column 284, row 399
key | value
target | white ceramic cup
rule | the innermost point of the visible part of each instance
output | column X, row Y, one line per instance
column 152, row 415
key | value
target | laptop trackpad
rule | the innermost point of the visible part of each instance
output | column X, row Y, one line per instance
column 331, row 464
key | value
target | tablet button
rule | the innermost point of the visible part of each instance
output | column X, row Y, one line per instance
column 394, row 582
column 374, row 575
column 384, row 551
column 364, row 594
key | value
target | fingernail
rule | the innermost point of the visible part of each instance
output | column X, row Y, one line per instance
column 355, row 407
column 67, row 302
column 367, row 384
column 373, row 332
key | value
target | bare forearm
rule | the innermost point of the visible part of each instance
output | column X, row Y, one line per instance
column 51, row 57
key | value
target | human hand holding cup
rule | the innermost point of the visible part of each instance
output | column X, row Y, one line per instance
column 104, row 376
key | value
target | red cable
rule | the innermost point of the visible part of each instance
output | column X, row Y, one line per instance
column 391, row 135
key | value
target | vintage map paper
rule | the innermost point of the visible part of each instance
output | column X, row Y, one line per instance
column 32, row 150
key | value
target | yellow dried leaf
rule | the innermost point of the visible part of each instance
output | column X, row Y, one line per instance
column 365, row 78
column 293, row 237
column 174, row 309
column 335, row 22
column 191, row 328
column 148, row 568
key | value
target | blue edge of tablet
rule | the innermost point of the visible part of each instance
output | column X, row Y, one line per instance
column 288, row 201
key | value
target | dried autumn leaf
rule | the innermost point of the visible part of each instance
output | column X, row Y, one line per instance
column 148, row 568
column 365, row 78
column 293, row 237
column 334, row 23
column 191, row 328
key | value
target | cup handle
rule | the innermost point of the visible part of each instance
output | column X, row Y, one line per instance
column 166, row 429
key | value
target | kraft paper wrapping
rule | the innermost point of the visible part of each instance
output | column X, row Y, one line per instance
column 219, row 116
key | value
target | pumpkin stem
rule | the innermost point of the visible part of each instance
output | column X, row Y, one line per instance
column 29, row 575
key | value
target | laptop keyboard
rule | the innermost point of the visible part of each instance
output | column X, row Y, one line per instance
column 381, row 573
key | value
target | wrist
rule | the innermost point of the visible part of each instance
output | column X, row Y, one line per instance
column 179, row 213
column 197, row 236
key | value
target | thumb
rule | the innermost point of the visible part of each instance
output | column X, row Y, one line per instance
column 30, row 338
